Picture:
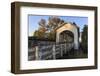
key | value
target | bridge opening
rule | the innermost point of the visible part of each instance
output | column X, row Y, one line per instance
column 66, row 36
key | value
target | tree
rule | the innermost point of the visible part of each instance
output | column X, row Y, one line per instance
column 85, row 38
column 53, row 22
column 39, row 34
column 48, row 30
column 42, row 23
column 52, row 35
column 35, row 34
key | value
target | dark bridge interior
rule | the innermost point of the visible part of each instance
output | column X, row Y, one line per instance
column 66, row 36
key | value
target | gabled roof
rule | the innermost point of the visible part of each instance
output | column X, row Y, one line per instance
column 64, row 24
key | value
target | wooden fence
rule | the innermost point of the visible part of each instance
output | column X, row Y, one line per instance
column 49, row 51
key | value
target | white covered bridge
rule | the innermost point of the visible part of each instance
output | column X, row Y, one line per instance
column 67, row 37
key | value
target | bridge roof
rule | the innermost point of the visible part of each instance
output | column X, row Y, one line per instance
column 66, row 23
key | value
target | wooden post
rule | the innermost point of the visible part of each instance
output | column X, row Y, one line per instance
column 54, row 52
column 36, row 53
column 65, row 48
column 68, row 49
column 61, row 50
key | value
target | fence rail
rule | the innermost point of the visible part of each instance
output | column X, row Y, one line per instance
column 51, row 51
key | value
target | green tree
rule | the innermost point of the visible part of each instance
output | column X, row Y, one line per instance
column 35, row 34
column 85, row 38
column 39, row 34
column 52, row 35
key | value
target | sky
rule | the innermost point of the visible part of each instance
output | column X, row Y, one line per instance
column 34, row 19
